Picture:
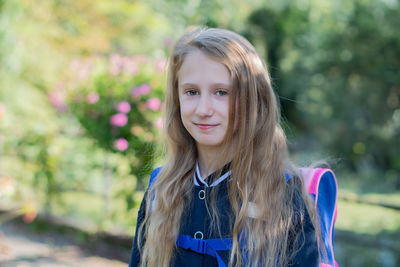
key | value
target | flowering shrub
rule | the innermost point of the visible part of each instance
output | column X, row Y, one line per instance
column 117, row 100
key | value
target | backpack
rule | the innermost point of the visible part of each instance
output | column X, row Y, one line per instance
column 320, row 183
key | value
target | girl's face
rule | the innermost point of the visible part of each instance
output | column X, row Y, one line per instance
column 204, row 89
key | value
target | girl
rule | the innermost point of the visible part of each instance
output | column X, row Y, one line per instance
column 223, row 197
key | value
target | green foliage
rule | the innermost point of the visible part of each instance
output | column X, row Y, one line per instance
column 336, row 70
column 278, row 35
column 354, row 88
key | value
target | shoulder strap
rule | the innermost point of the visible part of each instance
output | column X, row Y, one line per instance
column 321, row 184
column 153, row 176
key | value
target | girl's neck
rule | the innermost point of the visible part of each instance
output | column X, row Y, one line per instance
column 209, row 160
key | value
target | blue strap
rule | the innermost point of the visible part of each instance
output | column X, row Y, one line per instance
column 205, row 246
column 288, row 176
column 153, row 176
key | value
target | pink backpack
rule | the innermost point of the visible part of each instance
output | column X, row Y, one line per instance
column 321, row 184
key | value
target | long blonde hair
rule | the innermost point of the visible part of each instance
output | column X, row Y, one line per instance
column 259, row 162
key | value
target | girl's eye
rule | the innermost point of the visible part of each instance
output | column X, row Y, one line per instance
column 221, row 92
column 191, row 92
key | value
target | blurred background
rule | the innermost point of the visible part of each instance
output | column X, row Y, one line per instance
column 82, row 85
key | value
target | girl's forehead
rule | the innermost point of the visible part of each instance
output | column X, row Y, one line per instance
column 198, row 66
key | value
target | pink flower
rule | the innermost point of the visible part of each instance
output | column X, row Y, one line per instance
column 116, row 64
column 114, row 70
column 75, row 64
column 121, row 144
column 58, row 100
column 130, row 66
column 82, row 68
column 161, row 65
column 115, row 58
column 92, row 98
column 59, row 87
column 119, row 120
column 142, row 89
column 153, row 103
column 159, row 123
column 124, row 107
column 85, row 72
column 140, row 59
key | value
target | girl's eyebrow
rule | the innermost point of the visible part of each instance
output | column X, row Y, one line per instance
column 187, row 85
column 223, row 85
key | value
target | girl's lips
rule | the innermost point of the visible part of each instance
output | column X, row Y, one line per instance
column 205, row 126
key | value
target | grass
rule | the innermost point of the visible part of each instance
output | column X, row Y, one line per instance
column 386, row 198
column 367, row 219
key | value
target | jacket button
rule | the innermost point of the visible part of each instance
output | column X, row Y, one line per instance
column 202, row 194
column 198, row 235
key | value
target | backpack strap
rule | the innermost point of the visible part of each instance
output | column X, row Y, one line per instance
column 206, row 246
column 321, row 184
column 153, row 176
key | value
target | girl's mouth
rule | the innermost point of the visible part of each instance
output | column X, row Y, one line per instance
column 203, row 126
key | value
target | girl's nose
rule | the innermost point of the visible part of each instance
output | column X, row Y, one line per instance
column 204, row 106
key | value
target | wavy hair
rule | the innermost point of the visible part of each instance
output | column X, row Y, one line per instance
column 257, row 146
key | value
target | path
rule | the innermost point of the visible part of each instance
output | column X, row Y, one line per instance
column 22, row 248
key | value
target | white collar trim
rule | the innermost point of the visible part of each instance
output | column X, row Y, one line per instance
column 216, row 182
